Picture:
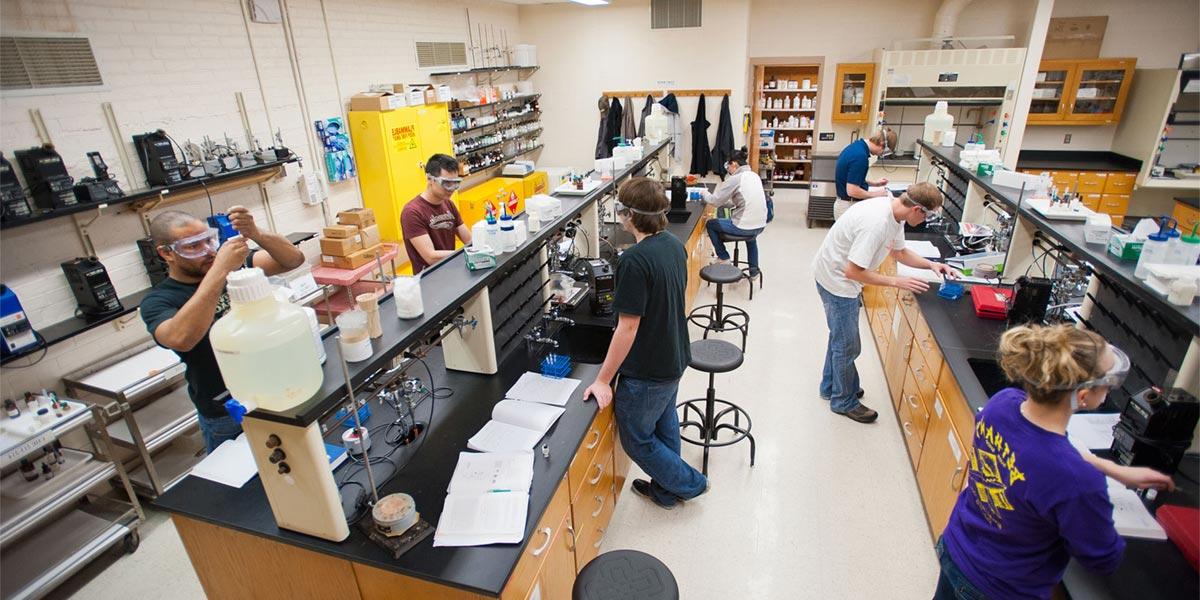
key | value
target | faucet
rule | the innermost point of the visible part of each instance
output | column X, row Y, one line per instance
column 537, row 335
column 554, row 315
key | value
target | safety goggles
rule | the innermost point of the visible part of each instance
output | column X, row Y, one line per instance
column 1111, row 379
column 625, row 210
column 450, row 184
column 195, row 246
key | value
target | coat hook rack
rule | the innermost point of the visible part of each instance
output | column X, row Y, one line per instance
column 660, row 93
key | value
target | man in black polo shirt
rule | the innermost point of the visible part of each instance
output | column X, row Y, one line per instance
column 650, row 347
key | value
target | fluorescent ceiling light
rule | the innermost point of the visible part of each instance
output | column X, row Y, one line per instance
column 591, row 2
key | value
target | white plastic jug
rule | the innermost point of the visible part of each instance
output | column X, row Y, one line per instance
column 937, row 123
column 264, row 346
column 656, row 124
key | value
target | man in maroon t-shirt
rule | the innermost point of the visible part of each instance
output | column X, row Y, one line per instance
column 430, row 221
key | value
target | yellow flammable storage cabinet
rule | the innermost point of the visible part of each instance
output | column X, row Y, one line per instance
column 391, row 148
column 537, row 182
column 472, row 202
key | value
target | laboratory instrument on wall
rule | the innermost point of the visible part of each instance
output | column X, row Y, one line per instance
column 1030, row 299
column 15, row 330
column 157, row 156
column 89, row 281
column 13, row 204
column 100, row 188
column 49, row 183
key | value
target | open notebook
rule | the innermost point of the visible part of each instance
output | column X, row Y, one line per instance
column 1130, row 515
column 488, row 500
column 535, row 387
column 515, row 426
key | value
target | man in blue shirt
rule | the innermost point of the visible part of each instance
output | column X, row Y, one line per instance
column 850, row 178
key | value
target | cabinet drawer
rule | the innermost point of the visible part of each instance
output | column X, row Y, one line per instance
column 590, row 536
column 1066, row 179
column 914, row 420
column 1092, row 201
column 525, row 574
column 908, row 304
column 585, row 455
column 1120, row 183
column 599, row 481
column 925, row 377
column 1114, row 204
column 1091, row 182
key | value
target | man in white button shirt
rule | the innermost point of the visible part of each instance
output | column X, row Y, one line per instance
column 852, row 251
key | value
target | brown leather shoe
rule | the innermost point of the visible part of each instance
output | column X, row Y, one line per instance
column 861, row 414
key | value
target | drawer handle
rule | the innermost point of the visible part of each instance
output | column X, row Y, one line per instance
column 549, row 535
column 599, row 474
column 595, row 439
column 571, row 536
column 600, row 507
column 912, row 400
column 599, row 540
column 907, row 299
column 954, row 476
column 907, row 431
column 920, row 373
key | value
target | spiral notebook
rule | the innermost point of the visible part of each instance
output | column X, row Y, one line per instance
column 515, row 426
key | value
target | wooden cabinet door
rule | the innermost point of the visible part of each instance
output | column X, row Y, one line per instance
column 1053, row 86
column 1099, row 91
column 1091, row 182
column 913, row 419
column 942, row 469
column 1186, row 216
column 557, row 576
column 1119, row 183
column 852, row 96
column 897, row 357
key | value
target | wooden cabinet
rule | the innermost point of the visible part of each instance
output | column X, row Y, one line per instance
column 1081, row 92
column 852, row 94
column 1186, row 215
column 1116, row 205
column 1091, row 182
column 698, row 252
column 897, row 358
column 942, row 469
column 1101, row 191
column 914, row 420
column 1119, row 183
column 557, row 576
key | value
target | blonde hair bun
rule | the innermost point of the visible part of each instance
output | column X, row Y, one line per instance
column 1048, row 359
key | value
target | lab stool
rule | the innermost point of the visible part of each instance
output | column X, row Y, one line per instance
column 721, row 317
column 625, row 575
column 712, row 357
column 748, row 273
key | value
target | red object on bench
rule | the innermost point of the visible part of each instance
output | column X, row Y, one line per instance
column 1182, row 524
column 991, row 302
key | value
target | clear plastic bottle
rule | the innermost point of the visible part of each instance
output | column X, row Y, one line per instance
column 937, row 123
column 656, row 124
column 1189, row 249
column 1154, row 252
column 264, row 347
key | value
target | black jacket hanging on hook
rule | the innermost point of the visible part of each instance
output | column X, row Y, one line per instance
column 645, row 113
column 700, row 152
column 601, row 135
column 723, row 145
column 612, row 127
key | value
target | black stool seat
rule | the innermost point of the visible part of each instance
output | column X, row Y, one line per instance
column 730, row 237
column 722, row 273
column 746, row 271
column 625, row 575
column 715, row 356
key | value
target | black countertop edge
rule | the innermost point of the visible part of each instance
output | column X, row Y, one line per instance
column 1071, row 235
column 445, row 287
column 1077, row 160
column 478, row 569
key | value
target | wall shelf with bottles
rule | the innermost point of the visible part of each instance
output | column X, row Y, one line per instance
column 787, row 103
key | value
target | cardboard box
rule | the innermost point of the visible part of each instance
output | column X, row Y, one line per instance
column 376, row 101
column 339, row 231
column 354, row 261
column 370, row 236
column 358, row 217
column 342, row 246
column 1075, row 37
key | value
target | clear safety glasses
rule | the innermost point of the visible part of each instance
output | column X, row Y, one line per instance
column 1111, row 379
column 622, row 209
column 195, row 246
column 450, row 184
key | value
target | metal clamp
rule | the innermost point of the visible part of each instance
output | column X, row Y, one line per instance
column 549, row 533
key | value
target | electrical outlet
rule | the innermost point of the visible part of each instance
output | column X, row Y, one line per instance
column 1067, row 139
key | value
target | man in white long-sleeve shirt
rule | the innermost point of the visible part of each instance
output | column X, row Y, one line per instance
column 743, row 191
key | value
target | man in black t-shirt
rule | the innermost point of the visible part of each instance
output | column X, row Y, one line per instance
column 179, row 311
column 650, row 347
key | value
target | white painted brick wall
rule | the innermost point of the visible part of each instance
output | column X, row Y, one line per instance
column 177, row 65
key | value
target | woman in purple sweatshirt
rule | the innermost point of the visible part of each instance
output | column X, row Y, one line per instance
column 1032, row 500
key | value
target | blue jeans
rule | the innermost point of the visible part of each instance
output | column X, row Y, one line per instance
column 218, row 429
column 716, row 227
column 649, row 429
column 952, row 584
column 839, row 379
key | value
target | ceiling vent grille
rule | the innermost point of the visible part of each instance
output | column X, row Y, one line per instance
column 38, row 62
column 673, row 14
column 441, row 54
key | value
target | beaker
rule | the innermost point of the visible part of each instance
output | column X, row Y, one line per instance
column 406, row 291
column 354, row 335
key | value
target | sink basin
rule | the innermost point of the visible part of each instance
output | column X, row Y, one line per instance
column 584, row 343
column 990, row 375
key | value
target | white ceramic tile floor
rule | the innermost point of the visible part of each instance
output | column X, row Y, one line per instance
column 830, row 510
